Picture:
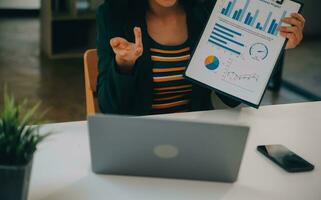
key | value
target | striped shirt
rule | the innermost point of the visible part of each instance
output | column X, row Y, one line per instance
column 171, row 91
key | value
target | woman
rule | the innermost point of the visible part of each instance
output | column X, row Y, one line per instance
column 144, row 47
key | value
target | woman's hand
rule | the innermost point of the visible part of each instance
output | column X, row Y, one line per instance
column 295, row 32
column 127, row 52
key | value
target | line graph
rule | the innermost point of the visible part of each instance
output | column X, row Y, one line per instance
column 238, row 77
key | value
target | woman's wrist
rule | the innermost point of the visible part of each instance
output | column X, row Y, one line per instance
column 125, row 66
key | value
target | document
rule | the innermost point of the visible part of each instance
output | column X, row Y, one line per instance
column 240, row 47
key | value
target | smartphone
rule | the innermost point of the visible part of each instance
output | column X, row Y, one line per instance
column 285, row 158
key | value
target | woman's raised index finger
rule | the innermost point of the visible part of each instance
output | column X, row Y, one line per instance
column 138, row 37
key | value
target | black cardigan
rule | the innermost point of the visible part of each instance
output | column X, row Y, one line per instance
column 131, row 94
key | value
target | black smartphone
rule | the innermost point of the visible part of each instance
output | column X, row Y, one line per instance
column 285, row 158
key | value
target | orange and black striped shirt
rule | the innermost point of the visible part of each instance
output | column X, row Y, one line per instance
column 171, row 91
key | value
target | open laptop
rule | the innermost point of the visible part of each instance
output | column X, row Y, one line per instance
column 140, row 146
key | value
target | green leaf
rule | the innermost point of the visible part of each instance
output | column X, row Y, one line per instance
column 18, row 137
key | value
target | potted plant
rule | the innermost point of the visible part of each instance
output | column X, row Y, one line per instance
column 18, row 142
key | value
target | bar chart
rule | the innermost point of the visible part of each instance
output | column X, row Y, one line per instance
column 250, row 18
column 240, row 46
column 226, row 38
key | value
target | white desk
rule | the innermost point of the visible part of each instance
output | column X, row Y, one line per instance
column 61, row 168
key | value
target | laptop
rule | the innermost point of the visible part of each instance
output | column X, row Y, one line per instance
column 143, row 146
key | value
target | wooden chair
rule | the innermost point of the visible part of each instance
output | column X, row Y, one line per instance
column 91, row 73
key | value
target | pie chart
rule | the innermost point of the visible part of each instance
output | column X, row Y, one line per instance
column 211, row 62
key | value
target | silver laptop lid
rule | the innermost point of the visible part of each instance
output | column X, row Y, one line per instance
column 165, row 148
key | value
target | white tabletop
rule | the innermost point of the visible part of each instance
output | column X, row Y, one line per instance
column 61, row 169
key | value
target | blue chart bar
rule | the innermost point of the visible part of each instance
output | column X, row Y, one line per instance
column 215, row 38
column 224, row 47
column 228, row 10
column 243, row 11
column 272, row 26
column 280, row 21
column 248, row 18
column 274, row 29
column 224, row 37
column 255, row 17
column 283, row 15
column 239, row 15
column 231, row 8
column 228, row 39
column 267, row 21
column 235, row 15
column 224, row 32
column 250, row 21
column 258, row 26
column 228, row 29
